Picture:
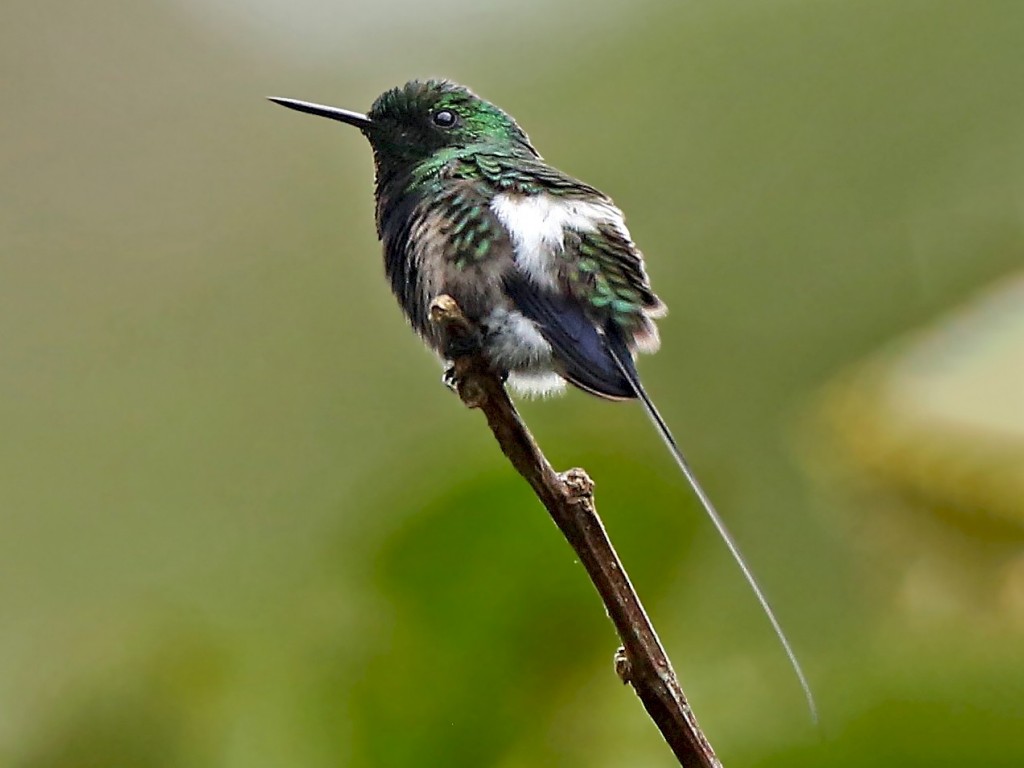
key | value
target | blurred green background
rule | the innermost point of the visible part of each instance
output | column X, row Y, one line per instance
column 243, row 524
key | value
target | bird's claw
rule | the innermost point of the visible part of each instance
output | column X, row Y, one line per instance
column 450, row 378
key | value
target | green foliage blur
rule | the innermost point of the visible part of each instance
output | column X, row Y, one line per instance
column 243, row 524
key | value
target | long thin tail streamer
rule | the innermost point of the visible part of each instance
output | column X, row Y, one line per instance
column 625, row 363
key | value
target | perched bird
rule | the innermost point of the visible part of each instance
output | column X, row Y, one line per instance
column 540, row 261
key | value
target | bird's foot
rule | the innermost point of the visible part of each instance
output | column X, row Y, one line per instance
column 458, row 346
column 450, row 378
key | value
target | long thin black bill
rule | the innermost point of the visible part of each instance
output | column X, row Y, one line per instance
column 357, row 119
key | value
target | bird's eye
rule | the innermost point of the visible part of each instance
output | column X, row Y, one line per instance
column 445, row 118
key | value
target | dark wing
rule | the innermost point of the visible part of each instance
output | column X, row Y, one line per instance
column 604, row 270
column 578, row 345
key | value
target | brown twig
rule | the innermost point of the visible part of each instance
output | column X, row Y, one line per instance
column 569, row 498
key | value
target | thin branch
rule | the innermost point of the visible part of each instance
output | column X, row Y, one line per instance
column 569, row 499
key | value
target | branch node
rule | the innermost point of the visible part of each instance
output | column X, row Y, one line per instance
column 578, row 484
column 445, row 311
column 462, row 337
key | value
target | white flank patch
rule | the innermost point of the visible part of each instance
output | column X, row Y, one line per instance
column 514, row 343
column 537, row 224
column 536, row 384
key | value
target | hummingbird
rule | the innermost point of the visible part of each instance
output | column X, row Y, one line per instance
column 540, row 261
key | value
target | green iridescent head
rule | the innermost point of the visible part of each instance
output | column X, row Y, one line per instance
column 409, row 124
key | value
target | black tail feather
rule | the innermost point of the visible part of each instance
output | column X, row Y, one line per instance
column 624, row 360
column 576, row 341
